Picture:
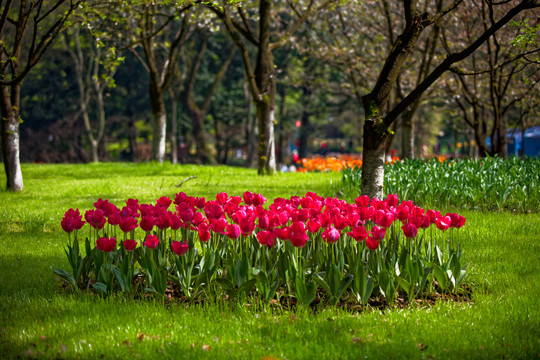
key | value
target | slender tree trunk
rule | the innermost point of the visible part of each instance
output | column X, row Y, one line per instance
column 10, row 137
column 174, row 130
column 305, row 125
column 132, row 137
column 407, row 135
column 267, row 151
column 265, row 100
column 281, row 128
column 204, row 155
column 250, row 128
column 159, row 123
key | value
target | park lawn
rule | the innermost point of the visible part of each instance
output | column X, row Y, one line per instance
column 40, row 320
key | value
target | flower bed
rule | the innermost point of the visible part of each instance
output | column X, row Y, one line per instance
column 333, row 163
column 300, row 248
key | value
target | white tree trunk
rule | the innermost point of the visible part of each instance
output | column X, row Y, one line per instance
column 373, row 173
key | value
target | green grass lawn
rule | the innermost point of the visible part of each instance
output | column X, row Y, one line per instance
column 39, row 320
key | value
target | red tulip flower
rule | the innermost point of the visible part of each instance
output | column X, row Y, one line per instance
column 378, row 233
column 372, row 243
column 218, row 225
column 72, row 221
column 410, row 230
column 266, row 238
column 130, row 245
column 222, row 198
column 151, row 241
column 147, row 223
column 330, row 235
column 358, row 233
column 162, row 221
column 362, row 201
column 392, row 200
column 128, row 224
column 232, row 231
column 164, row 202
column 96, row 218
column 106, row 244
column 444, row 223
column 297, row 234
column 457, row 220
column 174, row 221
column 213, row 210
column 179, row 248
column 248, row 197
column 313, row 226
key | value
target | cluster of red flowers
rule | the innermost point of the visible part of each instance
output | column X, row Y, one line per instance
column 285, row 219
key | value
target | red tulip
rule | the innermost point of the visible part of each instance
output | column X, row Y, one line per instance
column 218, row 225
column 330, row 235
column 248, row 198
column 151, row 241
column 164, row 202
column 174, row 221
column 362, row 201
column 114, row 218
column 378, row 233
column 67, row 224
column 392, row 200
column 106, row 244
column 233, row 231
column 457, row 220
column 96, row 218
column 383, row 218
column 180, row 198
column 130, row 245
column 258, row 200
column 222, row 198
column 162, row 221
column 313, row 226
column 266, row 238
column 358, row 233
column 410, row 230
column 179, row 248
column 297, row 234
column 444, row 223
column 147, row 223
column 128, row 224
column 213, row 210
column 372, row 243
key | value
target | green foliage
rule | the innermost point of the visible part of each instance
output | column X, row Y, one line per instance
column 483, row 184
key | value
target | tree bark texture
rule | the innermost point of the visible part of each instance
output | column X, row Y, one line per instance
column 159, row 131
column 10, row 137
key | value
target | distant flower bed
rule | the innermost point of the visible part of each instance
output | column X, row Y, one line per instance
column 303, row 249
column 333, row 163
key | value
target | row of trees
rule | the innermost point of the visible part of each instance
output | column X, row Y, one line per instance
column 385, row 56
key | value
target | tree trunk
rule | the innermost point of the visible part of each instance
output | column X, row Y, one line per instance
column 174, row 130
column 281, row 128
column 374, row 151
column 159, row 124
column 250, row 128
column 10, row 137
column 266, row 98
column 132, row 137
column 267, row 151
column 373, row 164
column 407, row 135
column 204, row 155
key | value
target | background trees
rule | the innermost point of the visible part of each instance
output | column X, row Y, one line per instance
column 359, row 73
